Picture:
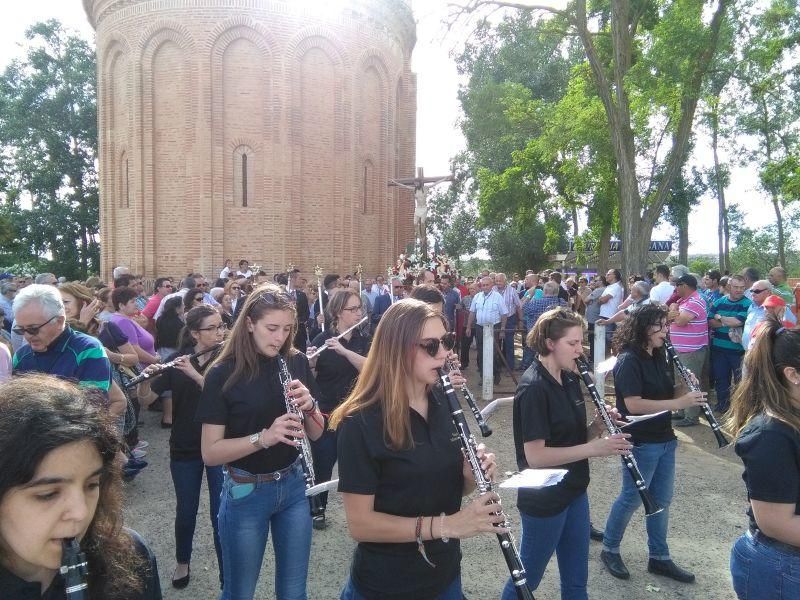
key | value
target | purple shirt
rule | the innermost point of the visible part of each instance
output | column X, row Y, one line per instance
column 136, row 335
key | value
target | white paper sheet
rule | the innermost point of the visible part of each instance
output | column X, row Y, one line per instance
column 534, row 478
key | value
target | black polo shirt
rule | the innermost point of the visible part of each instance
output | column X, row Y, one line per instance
column 637, row 373
column 184, row 437
column 770, row 451
column 556, row 413
column 425, row 480
column 335, row 374
column 251, row 404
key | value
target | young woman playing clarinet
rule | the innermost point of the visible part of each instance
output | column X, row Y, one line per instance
column 550, row 431
column 643, row 387
column 765, row 421
column 60, row 483
column 337, row 369
column 183, row 385
column 247, row 428
column 401, row 469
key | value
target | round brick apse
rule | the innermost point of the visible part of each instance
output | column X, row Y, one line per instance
column 257, row 129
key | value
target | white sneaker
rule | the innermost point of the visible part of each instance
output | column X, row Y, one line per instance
column 142, row 445
column 138, row 453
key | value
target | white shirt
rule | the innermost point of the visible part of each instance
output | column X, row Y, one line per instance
column 661, row 293
column 181, row 292
column 224, row 273
column 488, row 309
column 248, row 274
column 610, row 308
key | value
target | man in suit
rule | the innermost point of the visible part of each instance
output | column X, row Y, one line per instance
column 384, row 301
column 303, row 311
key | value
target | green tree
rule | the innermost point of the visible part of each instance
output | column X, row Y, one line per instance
column 648, row 62
column 48, row 136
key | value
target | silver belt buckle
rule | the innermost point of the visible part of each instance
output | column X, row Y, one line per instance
column 277, row 476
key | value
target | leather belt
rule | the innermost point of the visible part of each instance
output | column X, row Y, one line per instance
column 260, row 477
column 759, row 536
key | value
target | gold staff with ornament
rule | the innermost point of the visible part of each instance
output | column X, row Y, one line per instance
column 318, row 273
column 289, row 269
column 390, row 275
column 359, row 271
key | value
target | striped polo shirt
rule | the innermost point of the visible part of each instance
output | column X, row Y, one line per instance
column 694, row 335
column 725, row 307
column 72, row 355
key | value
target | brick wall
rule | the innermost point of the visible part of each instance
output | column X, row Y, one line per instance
column 301, row 113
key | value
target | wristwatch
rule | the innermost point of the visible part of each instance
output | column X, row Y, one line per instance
column 254, row 439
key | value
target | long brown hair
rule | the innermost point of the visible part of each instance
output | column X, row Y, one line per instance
column 83, row 296
column 388, row 367
column 764, row 387
column 39, row 414
column 240, row 346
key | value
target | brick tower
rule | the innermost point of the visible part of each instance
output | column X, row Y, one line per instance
column 258, row 129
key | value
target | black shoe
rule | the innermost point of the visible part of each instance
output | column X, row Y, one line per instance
column 667, row 568
column 181, row 583
column 318, row 522
column 614, row 564
column 497, row 379
column 166, row 425
column 595, row 533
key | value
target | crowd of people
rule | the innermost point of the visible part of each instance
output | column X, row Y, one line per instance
column 253, row 370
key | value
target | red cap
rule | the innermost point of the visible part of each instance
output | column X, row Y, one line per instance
column 773, row 301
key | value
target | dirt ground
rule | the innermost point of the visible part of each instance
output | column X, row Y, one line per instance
column 706, row 516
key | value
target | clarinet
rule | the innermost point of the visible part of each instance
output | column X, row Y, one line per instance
column 74, row 569
column 486, row 431
column 650, row 505
column 306, row 459
column 167, row 365
column 686, row 374
column 470, row 449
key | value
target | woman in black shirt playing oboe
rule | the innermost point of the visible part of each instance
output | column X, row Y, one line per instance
column 401, row 469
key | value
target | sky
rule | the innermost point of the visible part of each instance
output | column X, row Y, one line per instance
column 438, row 136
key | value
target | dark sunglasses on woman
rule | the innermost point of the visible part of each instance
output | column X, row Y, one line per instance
column 448, row 340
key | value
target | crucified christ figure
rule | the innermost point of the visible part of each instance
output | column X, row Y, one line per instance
column 420, row 184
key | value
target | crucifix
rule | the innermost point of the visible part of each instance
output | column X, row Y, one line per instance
column 420, row 184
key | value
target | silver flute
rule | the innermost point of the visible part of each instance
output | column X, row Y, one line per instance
column 306, row 459
column 321, row 349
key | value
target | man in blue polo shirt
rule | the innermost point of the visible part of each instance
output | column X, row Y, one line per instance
column 53, row 347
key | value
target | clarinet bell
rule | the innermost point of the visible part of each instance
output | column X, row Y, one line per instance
column 486, row 431
column 721, row 439
column 650, row 506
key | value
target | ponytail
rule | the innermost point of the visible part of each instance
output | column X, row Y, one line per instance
column 194, row 320
column 764, row 387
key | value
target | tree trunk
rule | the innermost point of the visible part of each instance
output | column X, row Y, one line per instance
column 575, row 230
column 603, row 248
column 723, row 234
column 779, row 221
column 775, row 200
column 683, row 239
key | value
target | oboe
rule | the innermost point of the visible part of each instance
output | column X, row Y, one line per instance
column 74, row 569
column 515, row 567
column 686, row 374
column 650, row 505
column 486, row 431
column 306, row 459
column 167, row 365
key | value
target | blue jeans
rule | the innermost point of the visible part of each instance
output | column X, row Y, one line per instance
column 187, row 477
column 508, row 340
column 566, row 534
column 527, row 353
column 763, row 572
column 453, row 591
column 657, row 465
column 724, row 367
column 246, row 513
column 324, row 454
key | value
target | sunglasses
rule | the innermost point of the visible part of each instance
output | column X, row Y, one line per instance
column 201, row 285
column 752, row 291
column 33, row 329
column 235, row 287
column 281, row 298
column 448, row 340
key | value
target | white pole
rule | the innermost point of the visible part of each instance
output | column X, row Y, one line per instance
column 599, row 356
column 488, row 362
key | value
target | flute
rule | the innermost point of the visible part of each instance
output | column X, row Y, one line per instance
column 167, row 365
column 486, row 431
column 650, row 505
column 484, row 484
column 306, row 459
column 686, row 374
column 74, row 569
column 321, row 349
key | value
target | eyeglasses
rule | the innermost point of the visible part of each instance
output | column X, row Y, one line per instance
column 752, row 291
column 354, row 309
column 660, row 326
column 220, row 327
column 235, row 287
column 448, row 340
column 201, row 285
column 33, row 329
